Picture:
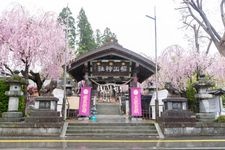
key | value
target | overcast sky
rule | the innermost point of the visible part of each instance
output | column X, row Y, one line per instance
column 126, row 18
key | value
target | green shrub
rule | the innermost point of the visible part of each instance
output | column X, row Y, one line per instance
column 221, row 119
column 3, row 98
column 4, row 86
column 223, row 100
column 192, row 101
column 22, row 104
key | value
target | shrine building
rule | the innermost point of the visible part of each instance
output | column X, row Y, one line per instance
column 107, row 70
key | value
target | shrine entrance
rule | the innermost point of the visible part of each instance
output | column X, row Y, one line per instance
column 108, row 93
column 111, row 71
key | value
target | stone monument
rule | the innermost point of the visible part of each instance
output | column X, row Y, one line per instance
column 13, row 115
column 45, row 106
column 174, row 101
column 175, row 107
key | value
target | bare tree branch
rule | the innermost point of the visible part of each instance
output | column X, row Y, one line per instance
column 10, row 70
column 209, row 28
column 196, row 19
column 222, row 12
column 208, row 47
column 194, row 8
column 187, row 25
column 197, row 14
column 202, row 36
column 199, row 4
column 185, row 7
column 196, row 32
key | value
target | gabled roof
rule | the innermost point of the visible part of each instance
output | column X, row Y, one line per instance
column 146, row 66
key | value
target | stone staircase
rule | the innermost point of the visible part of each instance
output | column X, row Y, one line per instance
column 107, row 109
column 116, row 130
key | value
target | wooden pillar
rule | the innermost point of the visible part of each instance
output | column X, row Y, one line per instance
column 134, row 81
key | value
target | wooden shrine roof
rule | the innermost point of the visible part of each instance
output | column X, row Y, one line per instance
column 111, row 51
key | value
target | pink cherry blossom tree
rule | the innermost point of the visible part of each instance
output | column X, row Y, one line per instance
column 178, row 66
column 217, row 70
column 30, row 43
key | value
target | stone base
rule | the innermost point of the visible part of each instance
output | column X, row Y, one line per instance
column 135, row 118
column 177, row 116
column 83, row 118
column 24, row 129
column 206, row 117
column 43, row 116
column 12, row 116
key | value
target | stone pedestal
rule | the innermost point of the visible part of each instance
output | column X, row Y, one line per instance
column 175, row 110
column 46, row 103
column 175, row 102
column 12, row 116
column 45, row 110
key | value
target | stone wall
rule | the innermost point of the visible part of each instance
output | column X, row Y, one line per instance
column 193, row 129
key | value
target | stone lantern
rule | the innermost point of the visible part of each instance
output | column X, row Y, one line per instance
column 14, row 93
column 202, row 86
column 204, row 97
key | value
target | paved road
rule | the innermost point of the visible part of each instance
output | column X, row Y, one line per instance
column 70, row 144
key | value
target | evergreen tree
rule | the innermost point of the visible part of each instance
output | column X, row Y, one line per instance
column 108, row 36
column 105, row 38
column 86, row 40
column 98, row 38
column 65, row 18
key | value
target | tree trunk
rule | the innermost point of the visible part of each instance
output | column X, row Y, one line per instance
column 221, row 46
column 35, row 77
column 25, row 86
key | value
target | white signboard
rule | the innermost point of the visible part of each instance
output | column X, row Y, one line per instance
column 59, row 93
column 162, row 94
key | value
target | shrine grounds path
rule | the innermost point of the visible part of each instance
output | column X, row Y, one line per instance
column 35, row 143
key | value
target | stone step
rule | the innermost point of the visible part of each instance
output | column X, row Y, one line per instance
column 114, row 134
column 114, row 125
column 140, row 128
column 43, row 119
column 110, row 124
column 112, row 129
column 141, row 131
column 107, row 109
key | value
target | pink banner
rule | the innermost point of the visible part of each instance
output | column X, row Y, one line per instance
column 135, row 101
column 85, row 98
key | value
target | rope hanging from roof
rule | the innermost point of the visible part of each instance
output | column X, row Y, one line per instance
column 107, row 83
